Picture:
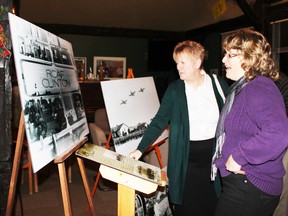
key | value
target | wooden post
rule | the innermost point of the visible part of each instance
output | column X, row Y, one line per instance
column 16, row 164
column 126, row 201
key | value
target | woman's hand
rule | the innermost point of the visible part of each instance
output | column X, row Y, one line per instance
column 232, row 166
column 135, row 154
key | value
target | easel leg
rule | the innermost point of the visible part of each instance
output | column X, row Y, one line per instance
column 86, row 185
column 158, row 153
column 30, row 176
column 126, row 201
column 69, row 170
column 156, row 148
column 15, row 169
column 36, row 183
column 64, row 189
column 107, row 146
column 95, row 184
column 93, row 192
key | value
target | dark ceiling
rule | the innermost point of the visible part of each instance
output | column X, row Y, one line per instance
column 137, row 17
column 163, row 15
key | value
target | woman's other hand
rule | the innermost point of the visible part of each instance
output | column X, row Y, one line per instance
column 135, row 154
column 232, row 166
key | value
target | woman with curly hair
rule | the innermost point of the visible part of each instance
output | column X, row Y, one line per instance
column 252, row 129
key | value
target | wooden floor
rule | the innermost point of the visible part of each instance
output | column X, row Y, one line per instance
column 48, row 201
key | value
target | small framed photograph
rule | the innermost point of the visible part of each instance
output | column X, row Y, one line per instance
column 106, row 67
column 81, row 67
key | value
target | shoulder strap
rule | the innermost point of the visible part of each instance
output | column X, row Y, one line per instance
column 218, row 91
column 219, row 88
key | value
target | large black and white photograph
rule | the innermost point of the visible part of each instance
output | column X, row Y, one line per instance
column 51, row 100
column 131, row 105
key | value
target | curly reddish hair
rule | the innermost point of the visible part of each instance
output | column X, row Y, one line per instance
column 256, row 53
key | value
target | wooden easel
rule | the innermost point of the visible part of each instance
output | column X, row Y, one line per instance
column 123, row 191
column 60, row 161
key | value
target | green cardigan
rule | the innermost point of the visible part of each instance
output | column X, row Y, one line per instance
column 174, row 111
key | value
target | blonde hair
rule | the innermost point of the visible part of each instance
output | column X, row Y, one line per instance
column 190, row 48
column 256, row 52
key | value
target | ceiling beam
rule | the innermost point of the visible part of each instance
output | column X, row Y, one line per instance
column 250, row 12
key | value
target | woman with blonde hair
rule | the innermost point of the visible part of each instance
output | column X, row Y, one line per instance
column 191, row 106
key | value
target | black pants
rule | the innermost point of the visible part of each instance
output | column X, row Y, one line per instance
column 241, row 198
column 199, row 197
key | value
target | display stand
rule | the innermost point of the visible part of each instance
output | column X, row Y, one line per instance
column 123, row 191
column 127, row 185
column 131, row 175
column 60, row 161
